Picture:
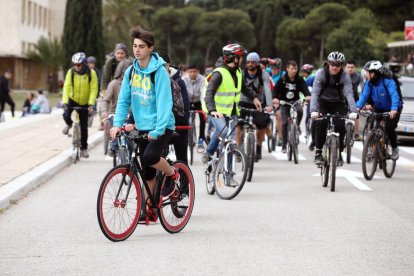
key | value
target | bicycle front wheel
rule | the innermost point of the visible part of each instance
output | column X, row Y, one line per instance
column 250, row 155
column 333, row 162
column 230, row 174
column 294, row 143
column 209, row 172
column 118, row 206
column 176, row 211
column 369, row 157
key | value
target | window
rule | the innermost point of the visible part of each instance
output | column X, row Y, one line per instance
column 23, row 10
column 34, row 14
column 29, row 13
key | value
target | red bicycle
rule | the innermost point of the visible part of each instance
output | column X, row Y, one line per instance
column 121, row 205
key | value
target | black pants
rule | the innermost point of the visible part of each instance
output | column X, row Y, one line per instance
column 197, row 106
column 285, row 113
column 390, row 126
column 152, row 151
column 7, row 99
column 321, row 126
column 83, row 117
column 181, row 143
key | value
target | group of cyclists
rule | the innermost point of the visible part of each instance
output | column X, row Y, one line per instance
column 228, row 89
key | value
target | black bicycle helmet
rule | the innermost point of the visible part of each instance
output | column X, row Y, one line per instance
column 232, row 51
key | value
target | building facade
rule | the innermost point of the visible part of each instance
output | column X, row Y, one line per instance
column 23, row 23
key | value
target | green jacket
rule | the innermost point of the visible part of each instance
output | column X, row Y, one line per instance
column 82, row 91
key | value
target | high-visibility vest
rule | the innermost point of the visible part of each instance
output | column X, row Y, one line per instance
column 227, row 95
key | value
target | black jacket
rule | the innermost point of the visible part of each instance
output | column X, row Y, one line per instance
column 4, row 87
column 288, row 90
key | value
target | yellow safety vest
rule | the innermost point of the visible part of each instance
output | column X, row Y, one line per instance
column 227, row 94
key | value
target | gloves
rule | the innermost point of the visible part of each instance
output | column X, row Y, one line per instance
column 314, row 115
column 353, row 115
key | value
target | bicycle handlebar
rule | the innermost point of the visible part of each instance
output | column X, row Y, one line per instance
column 282, row 102
column 368, row 113
column 334, row 116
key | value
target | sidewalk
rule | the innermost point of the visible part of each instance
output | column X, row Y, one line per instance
column 32, row 150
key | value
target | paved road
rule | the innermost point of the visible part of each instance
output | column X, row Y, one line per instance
column 283, row 223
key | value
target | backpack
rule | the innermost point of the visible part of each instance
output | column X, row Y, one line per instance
column 177, row 97
column 337, row 85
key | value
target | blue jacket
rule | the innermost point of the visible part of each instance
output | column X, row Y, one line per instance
column 151, row 106
column 384, row 95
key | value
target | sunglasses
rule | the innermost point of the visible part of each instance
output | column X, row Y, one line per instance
column 252, row 62
column 78, row 64
column 335, row 64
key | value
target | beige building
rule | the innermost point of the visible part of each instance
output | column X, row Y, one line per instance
column 23, row 23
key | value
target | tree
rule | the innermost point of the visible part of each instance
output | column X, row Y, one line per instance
column 168, row 25
column 321, row 21
column 222, row 27
column 83, row 30
column 351, row 36
column 119, row 16
column 49, row 52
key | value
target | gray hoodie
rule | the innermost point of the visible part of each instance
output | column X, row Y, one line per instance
column 194, row 87
column 319, row 84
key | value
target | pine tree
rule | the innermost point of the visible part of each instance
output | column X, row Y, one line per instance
column 83, row 30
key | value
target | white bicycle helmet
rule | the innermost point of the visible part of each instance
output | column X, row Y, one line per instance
column 375, row 66
column 253, row 56
column 78, row 58
column 336, row 57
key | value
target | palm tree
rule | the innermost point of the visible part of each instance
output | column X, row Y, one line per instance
column 49, row 52
column 119, row 16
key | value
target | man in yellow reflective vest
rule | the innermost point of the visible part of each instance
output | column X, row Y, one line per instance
column 223, row 93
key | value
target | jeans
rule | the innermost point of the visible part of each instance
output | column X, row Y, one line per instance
column 220, row 125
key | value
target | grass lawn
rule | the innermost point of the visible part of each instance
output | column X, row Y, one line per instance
column 20, row 96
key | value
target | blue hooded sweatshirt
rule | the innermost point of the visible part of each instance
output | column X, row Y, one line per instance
column 151, row 106
column 384, row 95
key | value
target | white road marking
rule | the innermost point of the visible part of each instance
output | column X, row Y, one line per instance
column 352, row 177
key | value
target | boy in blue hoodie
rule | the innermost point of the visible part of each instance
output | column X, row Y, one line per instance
column 382, row 91
column 151, row 106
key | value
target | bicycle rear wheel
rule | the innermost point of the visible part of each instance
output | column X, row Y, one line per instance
column 118, row 215
column 228, row 182
column 106, row 136
column 349, row 141
column 369, row 156
column 175, row 212
column 209, row 172
column 270, row 140
column 325, row 166
column 333, row 162
column 250, row 155
column 388, row 165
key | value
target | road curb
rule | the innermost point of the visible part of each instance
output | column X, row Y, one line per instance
column 20, row 186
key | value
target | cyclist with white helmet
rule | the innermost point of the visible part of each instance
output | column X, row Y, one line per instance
column 382, row 91
column 80, row 89
column 223, row 91
column 331, row 89
column 258, row 80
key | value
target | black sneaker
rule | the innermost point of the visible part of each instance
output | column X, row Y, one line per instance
column 318, row 158
column 257, row 157
column 169, row 185
column 312, row 146
column 284, row 150
column 340, row 161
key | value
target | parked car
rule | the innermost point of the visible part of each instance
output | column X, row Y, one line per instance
column 405, row 128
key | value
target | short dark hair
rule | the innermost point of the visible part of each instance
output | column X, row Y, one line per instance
column 164, row 56
column 291, row 62
column 351, row 62
column 40, row 92
column 192, row 66
column 144, row 35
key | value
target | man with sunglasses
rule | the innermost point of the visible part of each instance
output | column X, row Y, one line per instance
column 259, row 81
column 80, row 89
column 332, row 88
